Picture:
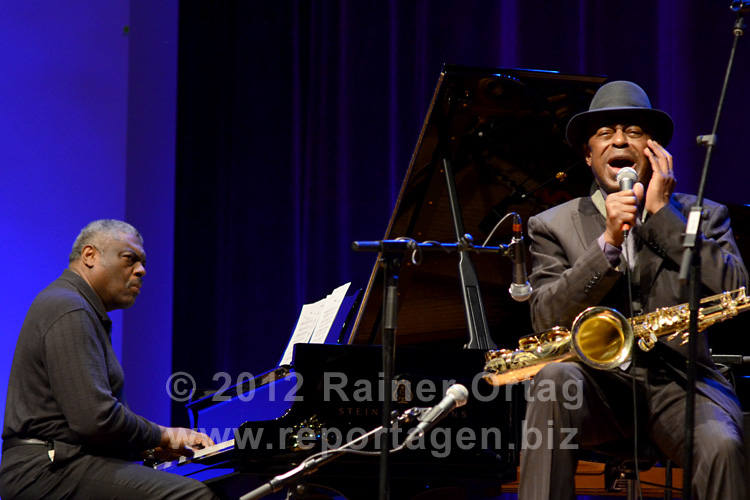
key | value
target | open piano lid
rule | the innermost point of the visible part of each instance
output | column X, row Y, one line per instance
column 503, row 130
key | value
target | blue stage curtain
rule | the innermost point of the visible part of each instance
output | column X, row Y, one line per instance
column 297, row 120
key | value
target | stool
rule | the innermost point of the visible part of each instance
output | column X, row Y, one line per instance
column 620, row 475
column 620, row 467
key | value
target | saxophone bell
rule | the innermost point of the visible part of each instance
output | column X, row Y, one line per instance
column 602, row 337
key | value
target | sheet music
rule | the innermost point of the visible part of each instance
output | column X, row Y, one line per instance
column 308, row 318
column 328, row 314
column 315, row 321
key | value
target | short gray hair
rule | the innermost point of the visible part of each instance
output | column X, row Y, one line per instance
column 94, row 231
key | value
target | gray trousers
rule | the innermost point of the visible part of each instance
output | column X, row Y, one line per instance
column 27, row 473
column 571, row 406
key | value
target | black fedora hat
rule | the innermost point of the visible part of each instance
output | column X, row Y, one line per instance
column 619, row 101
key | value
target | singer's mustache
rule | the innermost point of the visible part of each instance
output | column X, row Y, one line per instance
column 135, row 282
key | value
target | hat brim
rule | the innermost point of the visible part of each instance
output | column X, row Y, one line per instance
column 580, row 128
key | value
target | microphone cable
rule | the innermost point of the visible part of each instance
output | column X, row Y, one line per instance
column 499, row 223
column 629, row 282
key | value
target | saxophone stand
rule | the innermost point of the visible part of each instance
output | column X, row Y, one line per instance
column 690, row 270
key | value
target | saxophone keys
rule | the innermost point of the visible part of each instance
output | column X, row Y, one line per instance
column 647, row 343
column 496, row 353
column 529, row 342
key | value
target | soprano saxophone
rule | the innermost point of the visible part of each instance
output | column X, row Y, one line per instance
column 603, row 338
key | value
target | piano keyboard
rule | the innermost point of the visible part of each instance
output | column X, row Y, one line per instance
column 198, row 455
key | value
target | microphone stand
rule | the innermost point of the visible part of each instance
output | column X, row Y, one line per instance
column 392, row 256
column 293, row 478
column 690, row 269
column 392, row 260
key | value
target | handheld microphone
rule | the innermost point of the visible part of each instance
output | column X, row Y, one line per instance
column 520, row 289
column 455, row 396
column 626, row 177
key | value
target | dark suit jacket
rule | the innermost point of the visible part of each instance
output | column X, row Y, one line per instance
column 570, row 273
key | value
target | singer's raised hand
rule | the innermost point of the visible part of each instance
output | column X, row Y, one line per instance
column 663, row 182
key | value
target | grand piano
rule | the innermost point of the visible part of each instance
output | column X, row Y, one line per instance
column 500, row 134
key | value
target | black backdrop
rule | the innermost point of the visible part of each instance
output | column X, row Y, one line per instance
column 296, row 122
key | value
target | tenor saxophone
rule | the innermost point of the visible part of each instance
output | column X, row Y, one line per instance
column 603, row 338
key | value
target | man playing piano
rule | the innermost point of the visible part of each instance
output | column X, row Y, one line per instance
column 579, row 254
column 68, row 432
